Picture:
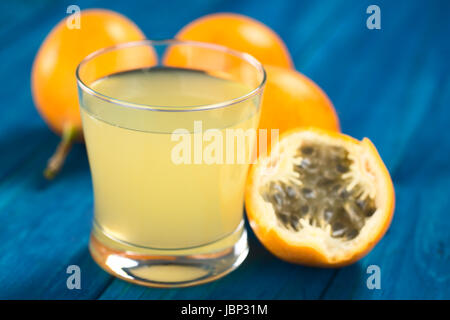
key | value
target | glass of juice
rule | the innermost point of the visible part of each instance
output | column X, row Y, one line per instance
column 170, row 130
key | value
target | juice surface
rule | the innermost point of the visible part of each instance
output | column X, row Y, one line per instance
column 144, row 198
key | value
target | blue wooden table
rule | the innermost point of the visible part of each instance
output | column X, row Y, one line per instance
column 392, row 85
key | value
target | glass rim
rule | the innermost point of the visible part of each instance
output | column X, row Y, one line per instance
column 124, row 103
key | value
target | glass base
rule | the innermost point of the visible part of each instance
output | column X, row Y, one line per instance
column 170, row 267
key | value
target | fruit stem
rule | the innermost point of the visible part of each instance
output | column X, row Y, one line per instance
column 55, row 163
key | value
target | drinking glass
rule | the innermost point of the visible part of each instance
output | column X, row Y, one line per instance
column 169, row 175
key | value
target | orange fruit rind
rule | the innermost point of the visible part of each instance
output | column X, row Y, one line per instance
column 292, row 100
column 240, row 33
column 313, row 243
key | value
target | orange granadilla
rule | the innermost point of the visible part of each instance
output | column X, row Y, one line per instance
column 53, row 80
column 321, row 198
column 240, row 33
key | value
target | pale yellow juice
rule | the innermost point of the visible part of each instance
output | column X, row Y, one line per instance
column 142, row 196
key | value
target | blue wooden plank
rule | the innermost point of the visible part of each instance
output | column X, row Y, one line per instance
column 45, row 228
column 17, row 14
column 391, row 85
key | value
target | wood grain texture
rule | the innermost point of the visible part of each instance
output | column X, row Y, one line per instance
column 391, row 85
